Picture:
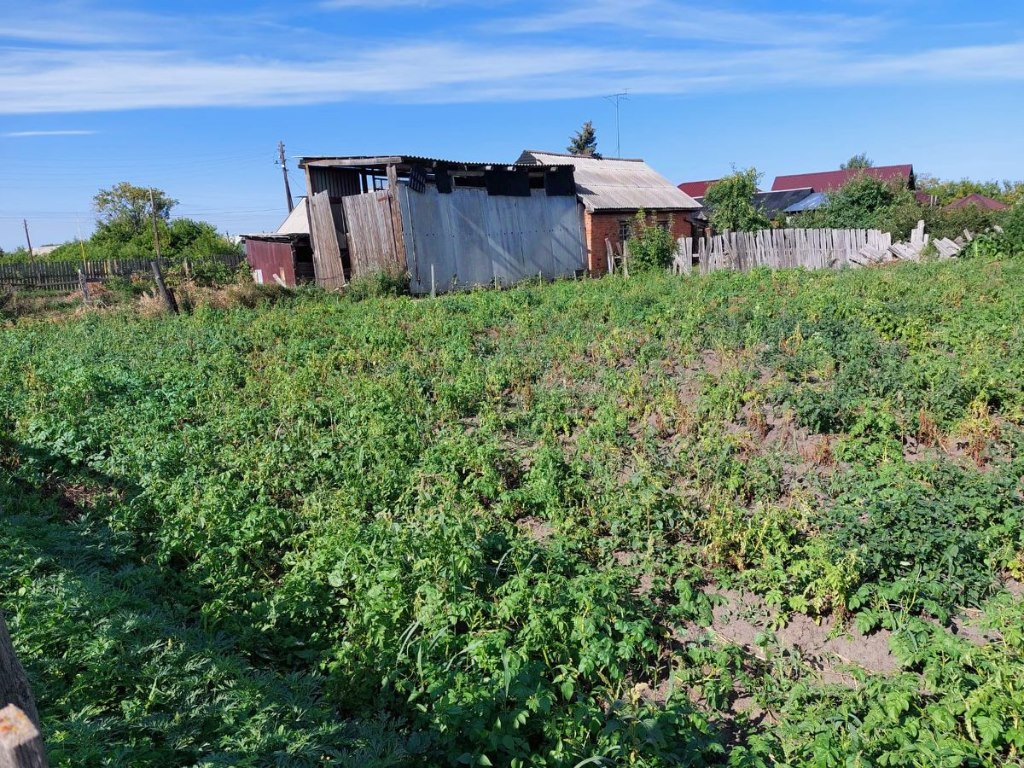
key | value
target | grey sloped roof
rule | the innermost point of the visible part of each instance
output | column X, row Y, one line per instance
column 611, row 184
column 809, row 203
column 780, row 200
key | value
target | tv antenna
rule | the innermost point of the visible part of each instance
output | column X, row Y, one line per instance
column 617, row 97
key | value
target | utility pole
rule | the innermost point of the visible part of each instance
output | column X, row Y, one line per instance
column 156, row 234
column 28, row 239
column 617, row 97
column 284, row 170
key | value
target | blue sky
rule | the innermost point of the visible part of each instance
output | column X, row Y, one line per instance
column 192, row 97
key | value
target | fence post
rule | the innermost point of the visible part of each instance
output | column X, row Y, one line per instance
column 14, row 687
column 21, row 745
column 167, row 296
column 84, row 287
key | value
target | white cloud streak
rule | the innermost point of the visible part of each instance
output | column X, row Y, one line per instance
column 32, row 134
column 648, row 46
column 671, row 20
column 382, row 5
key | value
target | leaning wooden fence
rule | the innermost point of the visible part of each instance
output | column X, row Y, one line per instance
column 808, row 248
column 63, row 275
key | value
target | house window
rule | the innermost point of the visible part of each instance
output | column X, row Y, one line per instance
column 625, row 230
column 663, row 224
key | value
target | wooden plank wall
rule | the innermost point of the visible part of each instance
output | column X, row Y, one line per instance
column 372, row 236
column 63, row 275
column 469, row 238
column 327, row 264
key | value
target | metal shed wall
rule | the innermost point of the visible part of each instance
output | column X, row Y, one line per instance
column 268, row 258
column 472, row 238
column 336, row 182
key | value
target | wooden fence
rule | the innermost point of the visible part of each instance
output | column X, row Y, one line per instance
column 63, row 275
column 808, row 248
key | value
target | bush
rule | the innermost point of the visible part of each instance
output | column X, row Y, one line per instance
column 1012, row 237
column 377, row 285
column 8, row 303
column 652, row 245
column 867, row 203
column 730, row 201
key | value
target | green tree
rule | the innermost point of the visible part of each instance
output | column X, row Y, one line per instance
column 867, row 203
column 731, row 202
column 946, row 191
column 857, row 162
column 125, row 210
column 584, row 142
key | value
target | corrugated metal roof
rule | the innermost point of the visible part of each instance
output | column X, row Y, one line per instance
column 608, row 184
column 980, row 201
column 830, row 181
column 809, row 203
column 369, row 161
column 773, row 202
column 697, row 189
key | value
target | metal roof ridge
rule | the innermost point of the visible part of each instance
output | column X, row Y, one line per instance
column 583, row 157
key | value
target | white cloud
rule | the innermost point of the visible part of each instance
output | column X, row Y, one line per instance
column 648, row 46
column 386, row 4
column 62, row 132
column 81, row 81
column 669, row 19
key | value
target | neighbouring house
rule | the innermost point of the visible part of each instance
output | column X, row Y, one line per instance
column 447, row 224
column 773, row 204
column 697, row 189
column 830, row 181
column 284, row 256
column 610, row 192
column 810, row 203
column 978, row 200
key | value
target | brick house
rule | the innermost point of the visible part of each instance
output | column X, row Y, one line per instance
column 610, row 191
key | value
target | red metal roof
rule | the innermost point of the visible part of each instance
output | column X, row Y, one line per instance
column 979, row 200
column 830, row 181
column 696, row 188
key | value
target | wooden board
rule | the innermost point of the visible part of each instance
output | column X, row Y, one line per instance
column 372, row 236
column 327, row 264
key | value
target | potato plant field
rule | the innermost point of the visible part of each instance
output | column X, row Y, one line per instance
column 773, row 518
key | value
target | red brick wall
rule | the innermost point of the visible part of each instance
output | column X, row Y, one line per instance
column 598, row 226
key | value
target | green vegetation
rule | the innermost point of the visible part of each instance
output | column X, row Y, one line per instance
column 947, row 191
column 124, row 230
column 860, row 160
column 731, row 203
column 652, row 245
column 491, row 528
column 869, row 203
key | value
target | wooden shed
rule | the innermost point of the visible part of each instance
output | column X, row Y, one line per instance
column 446, row 224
